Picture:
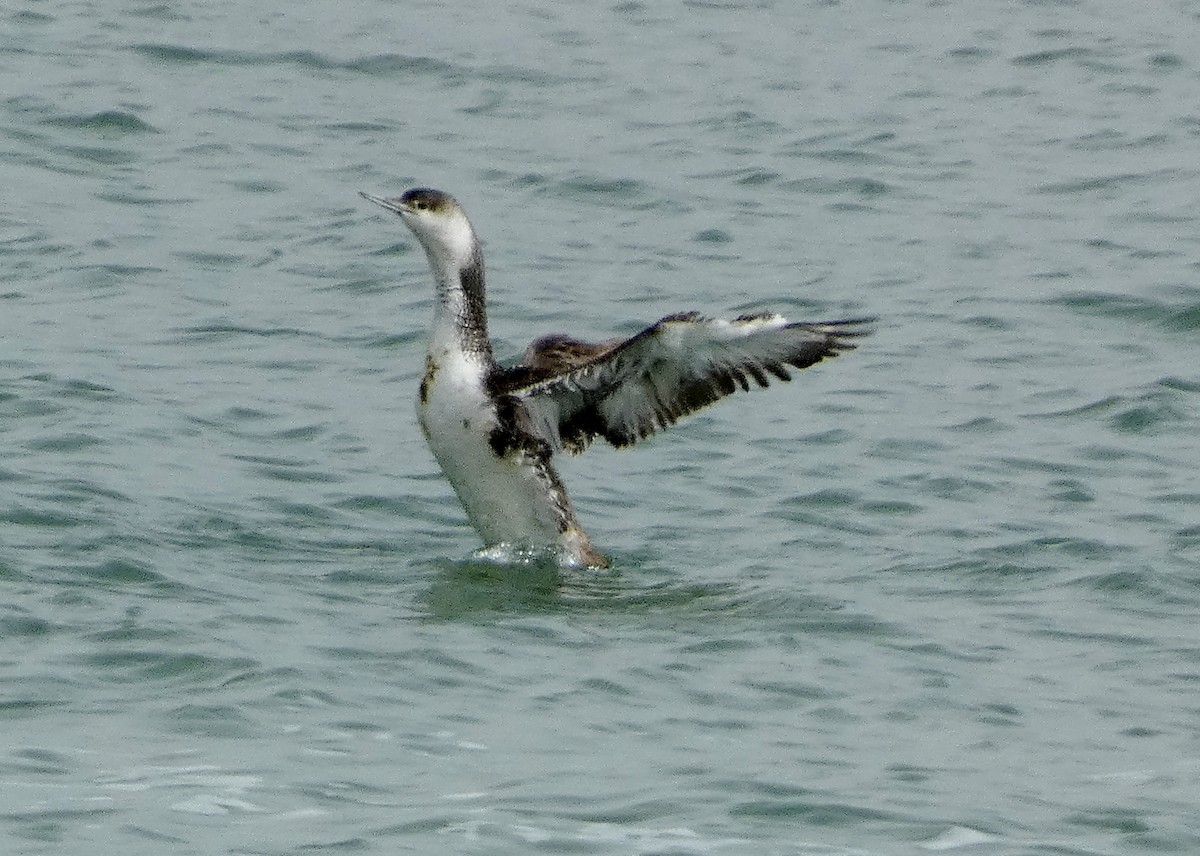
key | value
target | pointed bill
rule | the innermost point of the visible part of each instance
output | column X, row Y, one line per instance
column 390, row 204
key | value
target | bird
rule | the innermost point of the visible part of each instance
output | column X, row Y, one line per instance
column 494, row 429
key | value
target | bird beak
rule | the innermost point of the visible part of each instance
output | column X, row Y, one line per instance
column 392, row 205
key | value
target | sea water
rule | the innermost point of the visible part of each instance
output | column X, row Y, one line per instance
column 938, row 595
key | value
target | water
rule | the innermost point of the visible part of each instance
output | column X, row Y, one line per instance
column 935, row 596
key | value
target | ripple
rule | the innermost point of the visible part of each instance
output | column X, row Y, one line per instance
column 168, row 666
column 1052, row 56
column 862, row 187
column 539, row 585
column 218, row 330
column 105, row 155
column 289, row 469
column 712, row 236
column 589, row 187
column 377, row 64
column 20, row 515
column 1149, row 418
column 1112, row 182
column 26, row 627
column 812, row 812
column 121, row 572
column 73, row 442
column 106, row 120
column 1184, row 316
column 208, row 789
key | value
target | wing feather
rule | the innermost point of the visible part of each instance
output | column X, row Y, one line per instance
column 625, row 391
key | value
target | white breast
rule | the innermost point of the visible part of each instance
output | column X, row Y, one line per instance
column 506, row 499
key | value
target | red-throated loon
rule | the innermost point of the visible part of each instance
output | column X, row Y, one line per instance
column 494, row 430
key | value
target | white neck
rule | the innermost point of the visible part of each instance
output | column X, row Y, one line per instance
column 456, row 261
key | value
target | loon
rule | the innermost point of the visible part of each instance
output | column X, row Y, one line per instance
column 494, row 430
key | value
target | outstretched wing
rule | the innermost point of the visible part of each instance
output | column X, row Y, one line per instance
column 626, row 391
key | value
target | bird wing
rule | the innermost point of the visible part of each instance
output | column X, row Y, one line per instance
column 628, row 390
column 557, row 353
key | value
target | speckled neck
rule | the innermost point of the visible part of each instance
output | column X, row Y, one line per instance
column 460, row 317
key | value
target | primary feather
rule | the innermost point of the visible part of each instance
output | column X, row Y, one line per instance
column 625, row 391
